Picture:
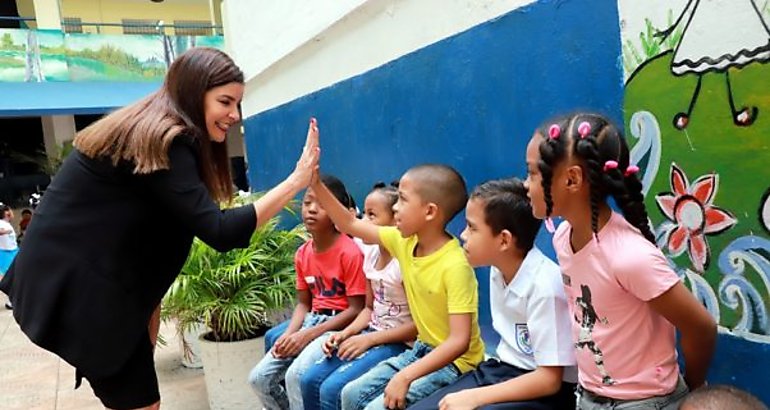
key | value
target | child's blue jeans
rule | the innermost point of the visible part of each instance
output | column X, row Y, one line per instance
column 274, row 333
column 367, row 391
column 276, row 381
column 324, row 380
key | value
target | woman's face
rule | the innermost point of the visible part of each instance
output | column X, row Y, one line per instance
column 220, row 107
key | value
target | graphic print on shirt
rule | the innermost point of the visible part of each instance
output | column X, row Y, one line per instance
column 318, row 287
column 381, row 298
column 522, row 339
column 587, row 323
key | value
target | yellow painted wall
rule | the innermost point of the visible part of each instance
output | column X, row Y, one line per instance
column 113, row 11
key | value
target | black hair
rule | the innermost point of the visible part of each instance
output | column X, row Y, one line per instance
column 338, row 190
column 604, row 142
column 3, row 209
column 506, row 206
column 442, row 185
column 720, row 396
column 389, row 191
column 26, row 211
column 351, row 203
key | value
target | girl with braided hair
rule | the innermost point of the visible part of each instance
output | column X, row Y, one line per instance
column 629, row 355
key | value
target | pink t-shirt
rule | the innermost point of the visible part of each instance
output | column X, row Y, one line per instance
column 390, row 308
column 331, row 275
column 625, row 350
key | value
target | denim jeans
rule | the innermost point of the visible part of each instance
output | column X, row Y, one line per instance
column 323, row 381
column 276, row 381
column 367, row 391
column 588, row 401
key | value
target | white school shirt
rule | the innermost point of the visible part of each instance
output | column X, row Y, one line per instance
column 7, row 241
column 531, row 316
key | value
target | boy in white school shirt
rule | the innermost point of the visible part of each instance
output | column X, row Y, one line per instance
column 535, row 364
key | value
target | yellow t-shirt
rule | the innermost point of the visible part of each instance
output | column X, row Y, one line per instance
column 438, row 285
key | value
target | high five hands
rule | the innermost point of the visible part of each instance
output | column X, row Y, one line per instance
column 307, row 165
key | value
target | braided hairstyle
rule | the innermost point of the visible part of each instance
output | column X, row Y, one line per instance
column 605, row 161
column 389, row 191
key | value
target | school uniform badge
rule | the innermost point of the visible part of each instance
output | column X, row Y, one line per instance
column 522, row 339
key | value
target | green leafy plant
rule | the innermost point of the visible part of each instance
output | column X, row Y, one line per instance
column 233, row 293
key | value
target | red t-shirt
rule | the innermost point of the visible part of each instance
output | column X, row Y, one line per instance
column 331, row 275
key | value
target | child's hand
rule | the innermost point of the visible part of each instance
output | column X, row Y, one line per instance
column 278, row 346
column 395, row 392
column 296, row 342
column 316, row 177
column 332, row 343
column 462, row 400
column 354, row 347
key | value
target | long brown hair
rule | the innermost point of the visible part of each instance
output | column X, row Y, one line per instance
column 141, row 133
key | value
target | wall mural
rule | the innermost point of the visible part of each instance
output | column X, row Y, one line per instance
column 50, row 55
column 697, row 112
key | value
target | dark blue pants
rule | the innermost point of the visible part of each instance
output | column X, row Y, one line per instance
column 494, row 371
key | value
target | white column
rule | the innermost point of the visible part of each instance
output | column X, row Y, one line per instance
column 229, row 47
column 57, row 129
column 48, row 14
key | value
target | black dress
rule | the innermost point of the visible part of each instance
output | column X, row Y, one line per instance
column 103, row 248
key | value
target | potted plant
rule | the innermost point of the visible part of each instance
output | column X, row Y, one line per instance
column 233, row 294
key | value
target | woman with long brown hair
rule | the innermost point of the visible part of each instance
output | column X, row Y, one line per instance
column 118, row 219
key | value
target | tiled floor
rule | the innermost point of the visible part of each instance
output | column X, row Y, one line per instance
column 32, row 378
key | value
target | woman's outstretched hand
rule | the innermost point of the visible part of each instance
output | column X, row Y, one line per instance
column 268, row 205
column 307, row 164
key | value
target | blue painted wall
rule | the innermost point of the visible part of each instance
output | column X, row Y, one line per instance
column 470, row 101
column 743, row 363
column 55, row 98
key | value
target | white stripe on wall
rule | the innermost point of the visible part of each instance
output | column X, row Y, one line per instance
column 290, row 48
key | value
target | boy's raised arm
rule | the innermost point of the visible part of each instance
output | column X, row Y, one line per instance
column 342, row 218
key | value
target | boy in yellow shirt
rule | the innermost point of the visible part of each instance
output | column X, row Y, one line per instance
column 440, row 286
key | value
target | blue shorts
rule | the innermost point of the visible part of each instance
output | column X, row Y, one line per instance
column 6, row 258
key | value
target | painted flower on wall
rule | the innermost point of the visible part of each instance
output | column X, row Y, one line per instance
column 690, row 208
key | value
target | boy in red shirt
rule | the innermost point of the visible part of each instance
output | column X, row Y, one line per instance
column 331, row 288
